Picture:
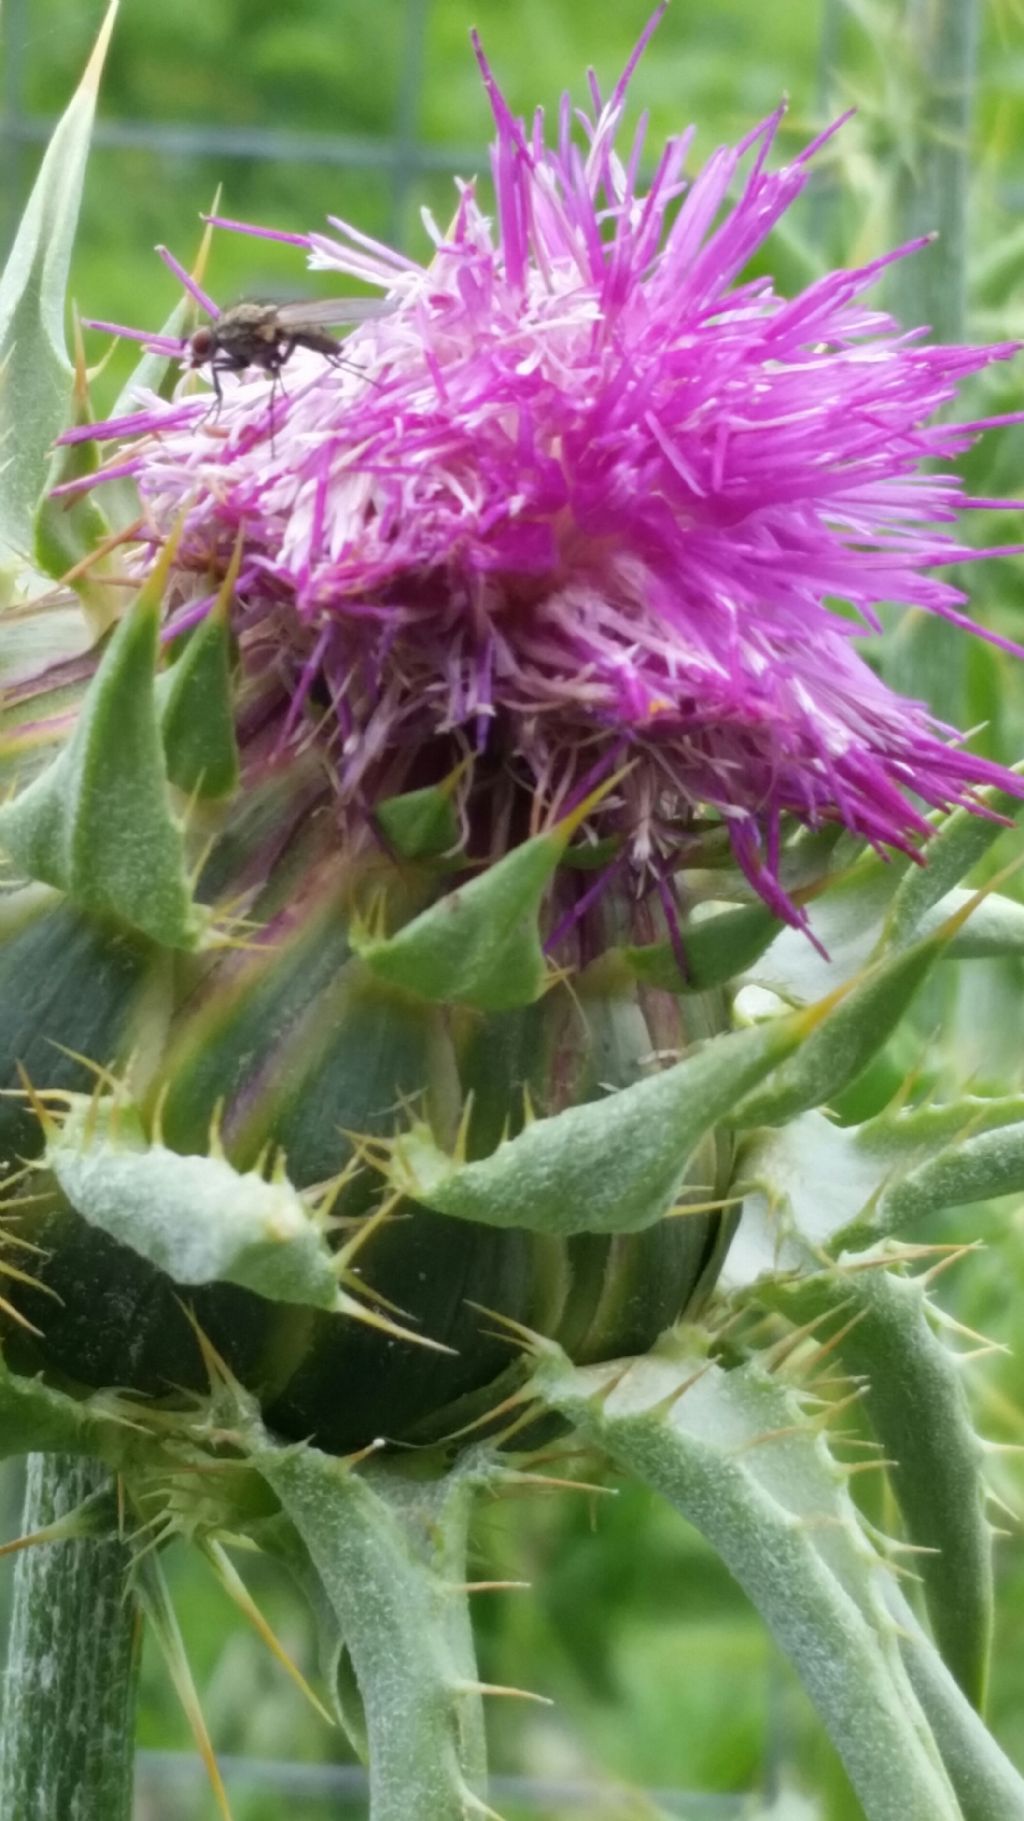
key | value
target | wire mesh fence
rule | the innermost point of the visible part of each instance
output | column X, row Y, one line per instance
column 401, row 155
column 164, row 1775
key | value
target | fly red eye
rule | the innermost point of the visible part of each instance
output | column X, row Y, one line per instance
column 201, row 345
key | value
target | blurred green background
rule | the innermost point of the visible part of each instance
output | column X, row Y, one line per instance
column 661, row 1675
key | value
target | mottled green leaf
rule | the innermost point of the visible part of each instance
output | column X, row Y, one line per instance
column 914, row 1398
column 741, row 1458
column 812, row 1184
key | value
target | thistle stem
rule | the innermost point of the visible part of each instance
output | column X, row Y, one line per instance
column 67, row 1742
column 934, row 179
column 932, row 197
column 825, row 185
column 389, row 1560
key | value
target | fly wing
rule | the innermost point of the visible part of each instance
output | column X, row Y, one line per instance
column 330, row 312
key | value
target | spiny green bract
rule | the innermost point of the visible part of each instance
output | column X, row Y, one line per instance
column 298, row 1146
column 333, row 1124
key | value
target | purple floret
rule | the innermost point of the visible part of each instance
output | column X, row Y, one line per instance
column 587, row 496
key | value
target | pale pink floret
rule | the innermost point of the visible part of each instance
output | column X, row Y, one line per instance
column 587, row 493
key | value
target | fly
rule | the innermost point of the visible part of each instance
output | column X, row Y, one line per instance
column 266, row 335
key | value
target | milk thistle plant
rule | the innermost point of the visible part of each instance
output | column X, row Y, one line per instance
column 412, row 761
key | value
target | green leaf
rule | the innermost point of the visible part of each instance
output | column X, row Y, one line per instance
column 422, row 825
column 277, row 799
column 846, row 920
column 741, row 1458
column 813, row 1185
column 845, row 1040
column 801, row 1183
column 345, row 1068
column 196, row 1218
column 881, row 905
column 392, row 1598
column 975, row 1167
column 715, row 950
column 34, row 640
column 36, row 1418
column 960, row 843
column 998, row 267
column 478, row 945
column 197, row 718
column 914, row 1399
column 609, row 1166
column 71, row 528
column 986, row 1783
column 97, row 823
column 278, row 1538
column 995, row 926
column 592, row 856
column 36, row 373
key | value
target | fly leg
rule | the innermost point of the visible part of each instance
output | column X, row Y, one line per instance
column 222, row 362
column 273, row 364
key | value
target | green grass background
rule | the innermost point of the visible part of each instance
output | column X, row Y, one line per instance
column 660, row 1672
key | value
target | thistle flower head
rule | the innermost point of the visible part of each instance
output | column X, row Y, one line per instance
column 587, row 496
